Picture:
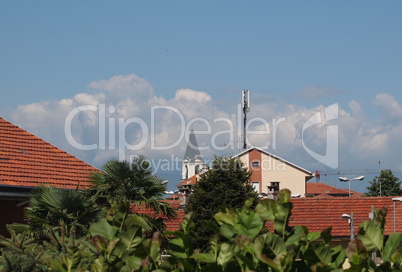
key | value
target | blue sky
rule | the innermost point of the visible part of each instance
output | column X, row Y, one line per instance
column 295, row 57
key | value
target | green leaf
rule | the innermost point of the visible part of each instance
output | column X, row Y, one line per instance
column 227, row 231
column 187, row 224
column 204, row 257
column 391, row 245
column 210, row 225
column 259, row 243
column 372, row 238
column 396, row 258
column 326, row 235
column 226, row 254
column 340, row 256
column 282, row 218
column 249, row 263
column 104, row 229
column 296, row 237
column 112, row 245
column 267, row 209
column 323, row 253
column 178, row 241
column 275, row 244
column 131, row 237
column 312, row 236
column 225, row 218
column 134, row 262
column 284, row 196
column 155, row 251
column 243, row 242
column 251, row 224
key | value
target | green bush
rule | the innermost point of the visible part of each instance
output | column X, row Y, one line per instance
column 240, row 243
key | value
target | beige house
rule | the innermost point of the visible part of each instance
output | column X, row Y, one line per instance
column 271, row 173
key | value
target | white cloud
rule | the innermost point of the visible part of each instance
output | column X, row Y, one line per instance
column 191, row 96
column 124, row 85
column 360, row 139
column 388, row 106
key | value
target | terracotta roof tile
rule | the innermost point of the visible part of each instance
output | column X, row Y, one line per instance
column 190, row 181
column 28, row 161
column 313, row 188
column 318, row 214
column 171, row 224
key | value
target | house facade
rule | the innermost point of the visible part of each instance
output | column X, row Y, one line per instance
column 270, row 173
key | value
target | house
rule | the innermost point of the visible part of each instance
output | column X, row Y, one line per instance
column 26, row 162
column 269, row 173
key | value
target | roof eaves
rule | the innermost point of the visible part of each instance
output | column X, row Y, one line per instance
column 276, row 157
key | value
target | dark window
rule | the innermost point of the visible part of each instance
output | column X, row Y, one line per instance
column 255, row 164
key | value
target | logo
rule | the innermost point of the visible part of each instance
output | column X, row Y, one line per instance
column 331, row 154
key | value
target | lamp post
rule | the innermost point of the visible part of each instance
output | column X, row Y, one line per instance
column 352, row 224
column 343, row 179
column 394, row 200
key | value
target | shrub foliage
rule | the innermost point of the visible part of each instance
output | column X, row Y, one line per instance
column 117, row 243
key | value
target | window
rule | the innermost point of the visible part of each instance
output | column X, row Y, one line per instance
column 255, row 164
column 256, row 186
column 197, row 169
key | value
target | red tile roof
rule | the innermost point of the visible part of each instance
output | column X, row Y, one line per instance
column 171, row 224
column 28, row 161
column 190, row 181
column 352, row 193
column 313, row 188
column 318, row 214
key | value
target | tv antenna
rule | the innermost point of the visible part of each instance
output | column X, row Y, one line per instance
column 245, row 103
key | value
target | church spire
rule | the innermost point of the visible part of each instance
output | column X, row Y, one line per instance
column 192, row 150
column 192, row 162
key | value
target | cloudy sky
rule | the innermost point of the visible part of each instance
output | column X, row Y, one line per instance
column 106, row 80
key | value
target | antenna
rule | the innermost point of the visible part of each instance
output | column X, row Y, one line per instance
column 245, row 102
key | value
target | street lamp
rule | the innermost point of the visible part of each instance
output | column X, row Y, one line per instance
column 343, row 179
column 351, row 221
column 394, row 200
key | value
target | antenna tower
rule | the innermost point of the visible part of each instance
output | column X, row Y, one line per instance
column 245, row 103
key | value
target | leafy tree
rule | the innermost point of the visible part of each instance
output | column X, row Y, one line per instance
column 133, row 182
column 226, row 183
column 51, row 206
column 390, row 185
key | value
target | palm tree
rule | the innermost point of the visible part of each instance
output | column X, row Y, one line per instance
column 51, row 206
column 133, row 182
